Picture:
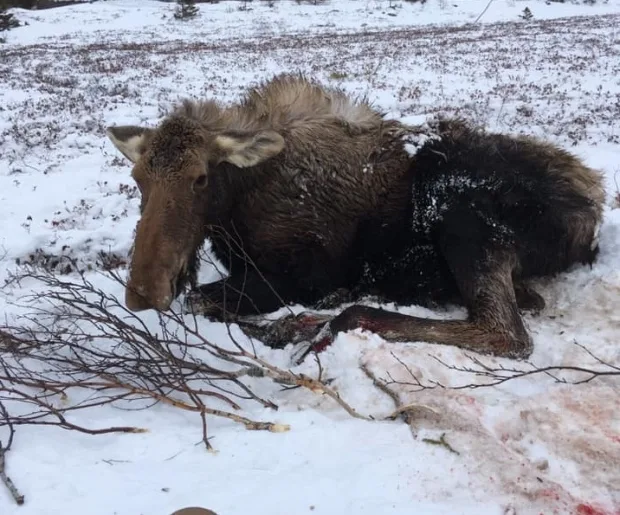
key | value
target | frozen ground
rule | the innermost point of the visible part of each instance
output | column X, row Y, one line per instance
column 528, row 446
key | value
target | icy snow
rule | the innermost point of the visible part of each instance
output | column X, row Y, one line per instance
column 526, row 447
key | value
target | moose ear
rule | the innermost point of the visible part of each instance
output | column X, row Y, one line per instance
column 245, row 149
column 129, row 139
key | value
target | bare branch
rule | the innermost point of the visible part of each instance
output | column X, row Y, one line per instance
column 497, row 375
column 76, row 338
column 19, row 498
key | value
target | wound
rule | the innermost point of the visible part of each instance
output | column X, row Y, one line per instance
column 322, row 344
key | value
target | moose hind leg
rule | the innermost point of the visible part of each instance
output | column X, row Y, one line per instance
column 482, row 263
column 481, row 253
column 494, row 325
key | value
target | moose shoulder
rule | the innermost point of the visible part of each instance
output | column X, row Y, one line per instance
column 304, row 192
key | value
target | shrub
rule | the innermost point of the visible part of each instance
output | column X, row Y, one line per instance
column 7, row 20
column 186, row 9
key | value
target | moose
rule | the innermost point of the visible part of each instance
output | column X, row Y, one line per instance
column 309, row 195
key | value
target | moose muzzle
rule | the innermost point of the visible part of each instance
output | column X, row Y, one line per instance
column 156, row 266
column 156, row 294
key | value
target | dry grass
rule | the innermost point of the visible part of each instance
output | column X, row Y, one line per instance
column 533, row 79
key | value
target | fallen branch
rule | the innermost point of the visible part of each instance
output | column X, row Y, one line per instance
column 441, row 442
column 78, row 338
column 498, row 375
column 405, row 411
column 19, row 498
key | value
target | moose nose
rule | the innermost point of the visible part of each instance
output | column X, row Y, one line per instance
column 135, row 301
column 139, row 298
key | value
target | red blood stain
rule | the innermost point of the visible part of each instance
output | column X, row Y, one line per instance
column 322, row 344
column 549, row 493
column 310, row 320
column 589, row 509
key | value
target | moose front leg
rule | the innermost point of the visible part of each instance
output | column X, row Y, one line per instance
column 483, row 271
column 494, row 325
column 292, row 329
column 248, row 293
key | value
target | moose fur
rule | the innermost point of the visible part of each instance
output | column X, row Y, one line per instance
column 305, row 192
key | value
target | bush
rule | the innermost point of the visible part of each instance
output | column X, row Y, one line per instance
column 186, row 9
column 7, row 20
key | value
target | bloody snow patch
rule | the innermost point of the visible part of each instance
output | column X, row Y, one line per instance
column 550, row 451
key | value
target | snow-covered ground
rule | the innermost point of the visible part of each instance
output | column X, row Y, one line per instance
column 528, row 446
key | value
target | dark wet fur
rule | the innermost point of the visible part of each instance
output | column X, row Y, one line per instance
column 494, row 190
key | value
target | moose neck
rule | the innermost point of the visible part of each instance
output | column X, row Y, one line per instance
column 227, row 189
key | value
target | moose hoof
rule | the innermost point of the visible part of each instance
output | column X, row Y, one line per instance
column 335, row 299
column 198, row 303
column 290, row 329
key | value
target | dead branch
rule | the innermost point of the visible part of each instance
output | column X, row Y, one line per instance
column 19, row 498
column 497, row 375
column 79, row 347
column 442, row 443
column 406, row 411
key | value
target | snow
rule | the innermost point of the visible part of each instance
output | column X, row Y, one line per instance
column 527, row 446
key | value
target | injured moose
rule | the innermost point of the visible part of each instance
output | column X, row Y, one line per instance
column 310, row 196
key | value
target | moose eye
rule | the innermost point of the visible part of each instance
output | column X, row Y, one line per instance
column 200, row 182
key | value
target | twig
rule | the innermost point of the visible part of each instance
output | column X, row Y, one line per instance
column 308, row 383
column 404, row 410
column 78, row 337
column 442, row 442
column 19, row 498
column 499, row 375
column 484, row 11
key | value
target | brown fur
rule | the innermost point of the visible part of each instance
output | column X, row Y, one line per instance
column 323, row 132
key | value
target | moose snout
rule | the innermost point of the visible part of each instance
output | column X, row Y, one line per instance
column 157, row 295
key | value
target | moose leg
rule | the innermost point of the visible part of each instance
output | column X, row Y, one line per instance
column 291, row 329
column 493, row 327
column 484, row 277
column 482, row 259
column 248, row 293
